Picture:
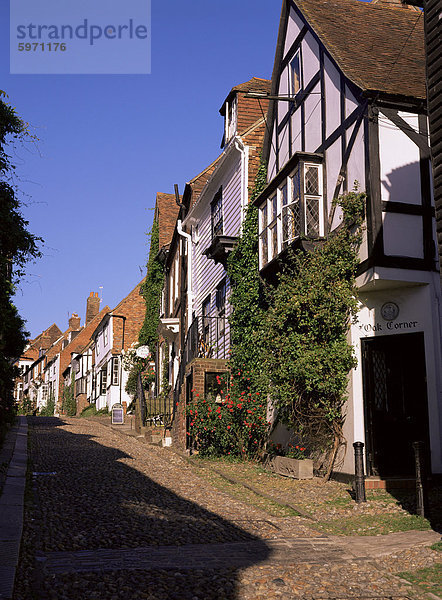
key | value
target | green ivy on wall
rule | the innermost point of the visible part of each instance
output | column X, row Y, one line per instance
column 151, row 289
column 248, row 300
column 69, row 404
column 308, row 352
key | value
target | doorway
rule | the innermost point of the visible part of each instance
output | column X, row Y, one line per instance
column 395, row 402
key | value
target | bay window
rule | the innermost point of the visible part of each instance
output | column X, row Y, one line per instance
column 294, row 210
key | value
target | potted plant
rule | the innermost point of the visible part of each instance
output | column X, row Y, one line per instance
column 290, row 462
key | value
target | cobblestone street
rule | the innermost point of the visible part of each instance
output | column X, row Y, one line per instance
column 112, row 518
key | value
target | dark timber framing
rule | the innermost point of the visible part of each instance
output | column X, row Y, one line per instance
column 433, row 41
column 365, row 115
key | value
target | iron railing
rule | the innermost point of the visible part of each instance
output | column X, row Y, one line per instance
column 154, row 410
column 207, row 337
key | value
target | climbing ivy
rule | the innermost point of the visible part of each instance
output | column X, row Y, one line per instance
column 69, row 404
column 248, row 301
column 306, row 334
column 151, row 290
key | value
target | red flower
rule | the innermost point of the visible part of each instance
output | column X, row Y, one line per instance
column 228, row 427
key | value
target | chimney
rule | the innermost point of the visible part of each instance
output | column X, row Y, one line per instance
column 92, row 306
column 74, row 322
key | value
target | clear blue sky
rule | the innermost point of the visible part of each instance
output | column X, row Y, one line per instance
column 108, row 143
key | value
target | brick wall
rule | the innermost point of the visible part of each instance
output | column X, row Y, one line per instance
column 197, row 368
column 133, row 308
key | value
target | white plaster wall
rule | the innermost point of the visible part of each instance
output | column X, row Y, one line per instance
column 282, row 107
column 310, row 58
column 271, row 171
column 296, row 131
column 333, row 160
column 284, row 146
column 294, row 26
column 356, row 161
column 332, row 96
column 313, row 131
column 399, row 158
column 350, row 102
column 403, row 235
column 419, row 312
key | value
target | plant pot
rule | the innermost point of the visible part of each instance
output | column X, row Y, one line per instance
column 291, row 467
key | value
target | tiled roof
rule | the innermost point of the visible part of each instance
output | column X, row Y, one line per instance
column 199, row 181
column 378, row 46
column 52, row 333
column 256, row 84
column 167, row 211
column 84, row 337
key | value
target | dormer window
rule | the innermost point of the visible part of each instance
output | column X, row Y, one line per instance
column 295, row 83
column 294, row 210
column 231, row 118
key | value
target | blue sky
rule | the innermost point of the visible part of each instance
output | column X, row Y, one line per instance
column 108, row 143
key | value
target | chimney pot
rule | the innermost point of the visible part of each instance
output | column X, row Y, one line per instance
column 74, row 322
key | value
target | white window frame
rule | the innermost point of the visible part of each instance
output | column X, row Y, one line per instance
column 103, row 381
column 115, row 370
column 267, row 217
column 231, row 119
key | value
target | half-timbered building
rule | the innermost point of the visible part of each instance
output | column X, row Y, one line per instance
column 348, row 104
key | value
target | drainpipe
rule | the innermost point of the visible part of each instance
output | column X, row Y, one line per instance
column 188, row 239
column 244, row 151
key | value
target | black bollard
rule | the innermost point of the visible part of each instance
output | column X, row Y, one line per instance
column 421, row 480
column 359, row 472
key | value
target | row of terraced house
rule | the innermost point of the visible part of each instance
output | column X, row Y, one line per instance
column 346, row 103
column 86, row 360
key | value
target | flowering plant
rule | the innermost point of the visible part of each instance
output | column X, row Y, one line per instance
column 295, row 452
column 232, row 423
column 290, row 451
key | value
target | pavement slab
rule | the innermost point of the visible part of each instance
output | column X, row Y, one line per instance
column 11, row 506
